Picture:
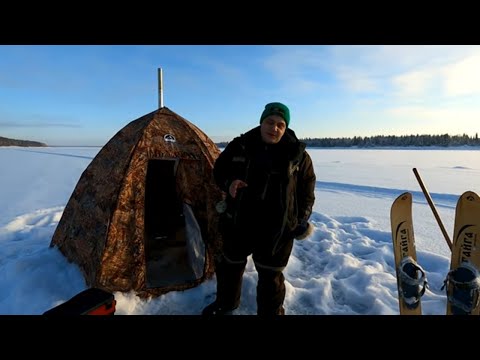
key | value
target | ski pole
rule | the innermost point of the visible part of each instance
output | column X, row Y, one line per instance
column 432, row 206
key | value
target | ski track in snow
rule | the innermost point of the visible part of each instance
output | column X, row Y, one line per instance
column 441, row 200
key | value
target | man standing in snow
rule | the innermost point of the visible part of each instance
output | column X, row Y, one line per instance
column 269, row 182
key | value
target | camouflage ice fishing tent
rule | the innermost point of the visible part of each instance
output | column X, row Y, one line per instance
column 142, row 216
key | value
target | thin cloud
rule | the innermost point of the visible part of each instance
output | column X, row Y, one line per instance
column 458, row 78
column 232, row 75
column 463, row 77
column 295, row 58
column 357, row 81
column 8, row 124
column 294, row 65
column 438, row 118
column 405, row 71
column 36, row 120
column 416, row 83
column 396, row 59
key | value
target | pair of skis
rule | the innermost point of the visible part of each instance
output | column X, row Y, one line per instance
column 462, row 281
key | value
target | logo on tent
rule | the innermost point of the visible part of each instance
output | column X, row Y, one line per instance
column 169, row 138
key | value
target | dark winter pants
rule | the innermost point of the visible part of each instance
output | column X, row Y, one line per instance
column 271, row 282
column 270, row 292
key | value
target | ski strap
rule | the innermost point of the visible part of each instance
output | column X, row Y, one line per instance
column 465, row 281
column 412, row 287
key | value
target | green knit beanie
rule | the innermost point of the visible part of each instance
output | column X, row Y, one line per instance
column 276, row 108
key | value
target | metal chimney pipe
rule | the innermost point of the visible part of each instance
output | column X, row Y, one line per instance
column 160, row 88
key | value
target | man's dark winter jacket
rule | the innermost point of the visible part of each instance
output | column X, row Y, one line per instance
column 280, row 179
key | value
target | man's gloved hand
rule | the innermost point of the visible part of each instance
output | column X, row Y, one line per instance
column 303, row 230
column 234, row 186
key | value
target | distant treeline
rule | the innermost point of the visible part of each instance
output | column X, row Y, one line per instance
column 391, row 140
column 14, row 142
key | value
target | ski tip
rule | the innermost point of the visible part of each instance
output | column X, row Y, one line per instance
column 404, row 196
column 470, row 195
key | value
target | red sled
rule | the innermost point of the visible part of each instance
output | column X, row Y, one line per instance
column 92, row 301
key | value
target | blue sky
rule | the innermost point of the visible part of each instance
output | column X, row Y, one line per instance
column 83, row 95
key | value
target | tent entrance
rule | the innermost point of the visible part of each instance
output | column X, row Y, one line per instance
column 174, row 250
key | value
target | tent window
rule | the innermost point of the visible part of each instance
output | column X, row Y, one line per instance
column 174, row 250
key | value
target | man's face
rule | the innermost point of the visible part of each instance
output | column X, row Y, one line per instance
column 272, row 129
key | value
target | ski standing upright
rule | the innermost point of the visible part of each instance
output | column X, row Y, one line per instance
column 411, row 280
column 463, row 279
